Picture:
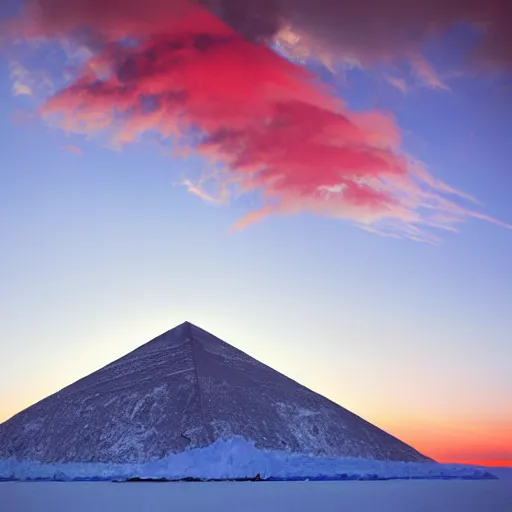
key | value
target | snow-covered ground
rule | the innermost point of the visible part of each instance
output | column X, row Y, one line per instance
column 389, row 486
column 382, row 496
column 238, row 458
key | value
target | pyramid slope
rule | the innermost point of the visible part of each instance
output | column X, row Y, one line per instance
column 186, row 389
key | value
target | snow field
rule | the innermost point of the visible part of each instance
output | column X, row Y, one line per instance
column 382, row 496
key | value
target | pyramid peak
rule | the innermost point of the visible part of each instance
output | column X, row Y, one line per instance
column 186, row 323
column 186, row 326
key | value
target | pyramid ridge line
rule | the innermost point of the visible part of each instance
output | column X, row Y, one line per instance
column 207, row 430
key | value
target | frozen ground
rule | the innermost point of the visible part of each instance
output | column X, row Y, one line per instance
column 382, row 496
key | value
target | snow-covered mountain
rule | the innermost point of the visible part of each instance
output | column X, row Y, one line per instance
column 187, row 389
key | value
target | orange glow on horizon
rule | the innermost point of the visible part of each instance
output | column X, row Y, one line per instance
column 474, row 451
column 493, row 463
column 479, row 441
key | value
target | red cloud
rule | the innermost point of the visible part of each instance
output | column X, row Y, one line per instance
column 174, row 69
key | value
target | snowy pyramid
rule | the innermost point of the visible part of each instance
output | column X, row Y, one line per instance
column 187, row 389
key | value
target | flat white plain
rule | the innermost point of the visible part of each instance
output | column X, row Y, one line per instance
column 382, row 496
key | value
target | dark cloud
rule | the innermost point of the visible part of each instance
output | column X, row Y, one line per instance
column 372, row 30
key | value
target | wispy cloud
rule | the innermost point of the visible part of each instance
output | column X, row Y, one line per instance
column 397, row 83
column 20, row 89
column 73, row 149
column 21, row 79
column 427, row 74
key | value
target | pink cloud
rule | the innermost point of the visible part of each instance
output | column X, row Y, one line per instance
column 188, row 76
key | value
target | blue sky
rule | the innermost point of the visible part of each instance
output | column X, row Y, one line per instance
column 103, row 251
